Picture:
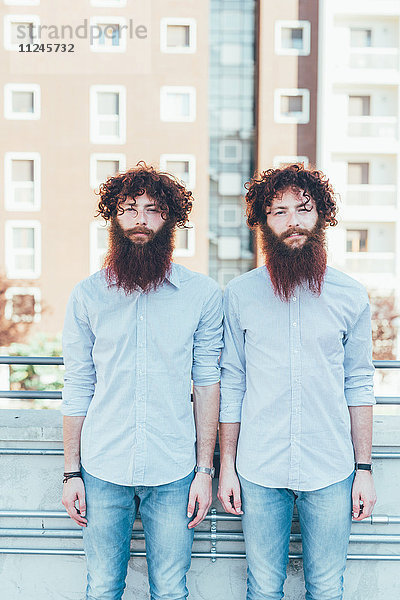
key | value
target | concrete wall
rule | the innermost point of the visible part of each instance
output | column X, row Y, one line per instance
column 33, row 483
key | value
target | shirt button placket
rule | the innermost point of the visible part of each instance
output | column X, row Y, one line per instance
column 140, row 386
column 295, row 427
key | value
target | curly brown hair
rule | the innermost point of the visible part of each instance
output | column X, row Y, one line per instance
column 264, row 188
column 171, row 197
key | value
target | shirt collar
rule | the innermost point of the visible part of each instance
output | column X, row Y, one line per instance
column 172, row 277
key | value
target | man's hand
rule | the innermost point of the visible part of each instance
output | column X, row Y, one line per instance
column 74, row 489
column 200, row 492
column 229, row 491
column 363, row 492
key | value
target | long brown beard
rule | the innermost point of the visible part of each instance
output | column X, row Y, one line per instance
column 292, row 267
column 133, row 266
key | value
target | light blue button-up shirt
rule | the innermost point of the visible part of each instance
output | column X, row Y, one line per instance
column 289, row 371
column 129, row 362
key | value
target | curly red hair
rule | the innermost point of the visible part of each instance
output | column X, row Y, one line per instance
column 171, row 197
column 264, row 188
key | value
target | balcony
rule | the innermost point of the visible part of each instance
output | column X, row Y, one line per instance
column 372, row 127
column 374, row 58
column 367, row 65
column 371, row 203
column 371, row 195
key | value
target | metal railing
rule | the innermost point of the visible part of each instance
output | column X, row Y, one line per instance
column 212, row 535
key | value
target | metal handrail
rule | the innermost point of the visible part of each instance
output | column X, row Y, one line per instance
column 58, row 360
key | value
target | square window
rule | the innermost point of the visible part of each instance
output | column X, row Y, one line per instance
column 360, row 37
column 292, row 106
column 359, row 106
column 230, row 184
column 185, row 241
column 22, row 181
column 22, row 101
column 23, row 249
column 229, row 215
column 229, row 248
column 178, row 104
column 183, row 166
column 293, row 38
column 108, row 34
column 107, row 114
column 280, row 162
column 98, row 245
column 230, row 54
column 103, row 166
column 358, row 173
column 356, row 240
column 20, row 29
column 230, row 151
column 178, row 36
column 23, row 304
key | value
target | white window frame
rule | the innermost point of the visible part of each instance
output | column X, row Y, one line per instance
column 8, row 19
column 108, row 3
column 165, row 22
column 303, row 117
column 95, row 137
column 190, row 158
column 190, row 250
column 11, row 271
column 94, row 252
column 28, row 291
column 221, row 219
column 225, row 143
column 9, row 88
column 305, row 26
column 290, row 159
column 95, row 46
column 121, row 158
column 178, row 89
column 9, row 185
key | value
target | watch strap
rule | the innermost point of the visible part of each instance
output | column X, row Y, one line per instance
column 363, row 466
column 210, row 472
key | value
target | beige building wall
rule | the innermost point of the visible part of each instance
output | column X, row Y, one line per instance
column 62, row 134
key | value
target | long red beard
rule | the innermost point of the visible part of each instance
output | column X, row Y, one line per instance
column 292, row 267
column 134, row 267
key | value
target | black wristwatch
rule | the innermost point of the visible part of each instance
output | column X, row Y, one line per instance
column 363, row 467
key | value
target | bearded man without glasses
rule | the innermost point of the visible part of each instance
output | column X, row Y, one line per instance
column 296, row 391
column 136, row 334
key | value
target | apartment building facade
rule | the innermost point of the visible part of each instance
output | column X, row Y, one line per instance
column 114, row 82
column 209, row 91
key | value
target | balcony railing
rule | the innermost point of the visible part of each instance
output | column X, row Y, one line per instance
column 371, row 126
column 374, row 58
column 371, row 195
column 214, row 536
column 370, row 262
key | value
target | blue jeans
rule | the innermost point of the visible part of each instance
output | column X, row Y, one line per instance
column 111, row 511
column 325, row 522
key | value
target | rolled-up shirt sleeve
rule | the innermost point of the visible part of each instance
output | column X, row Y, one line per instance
column 207, row 341
column 358, row 366
column 233, row 363
column 80, row 373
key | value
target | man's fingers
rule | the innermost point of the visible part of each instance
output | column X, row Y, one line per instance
column 82, row 503
column 191, row 504
column 225, row 499
column 75, row 516
column 202, row 510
